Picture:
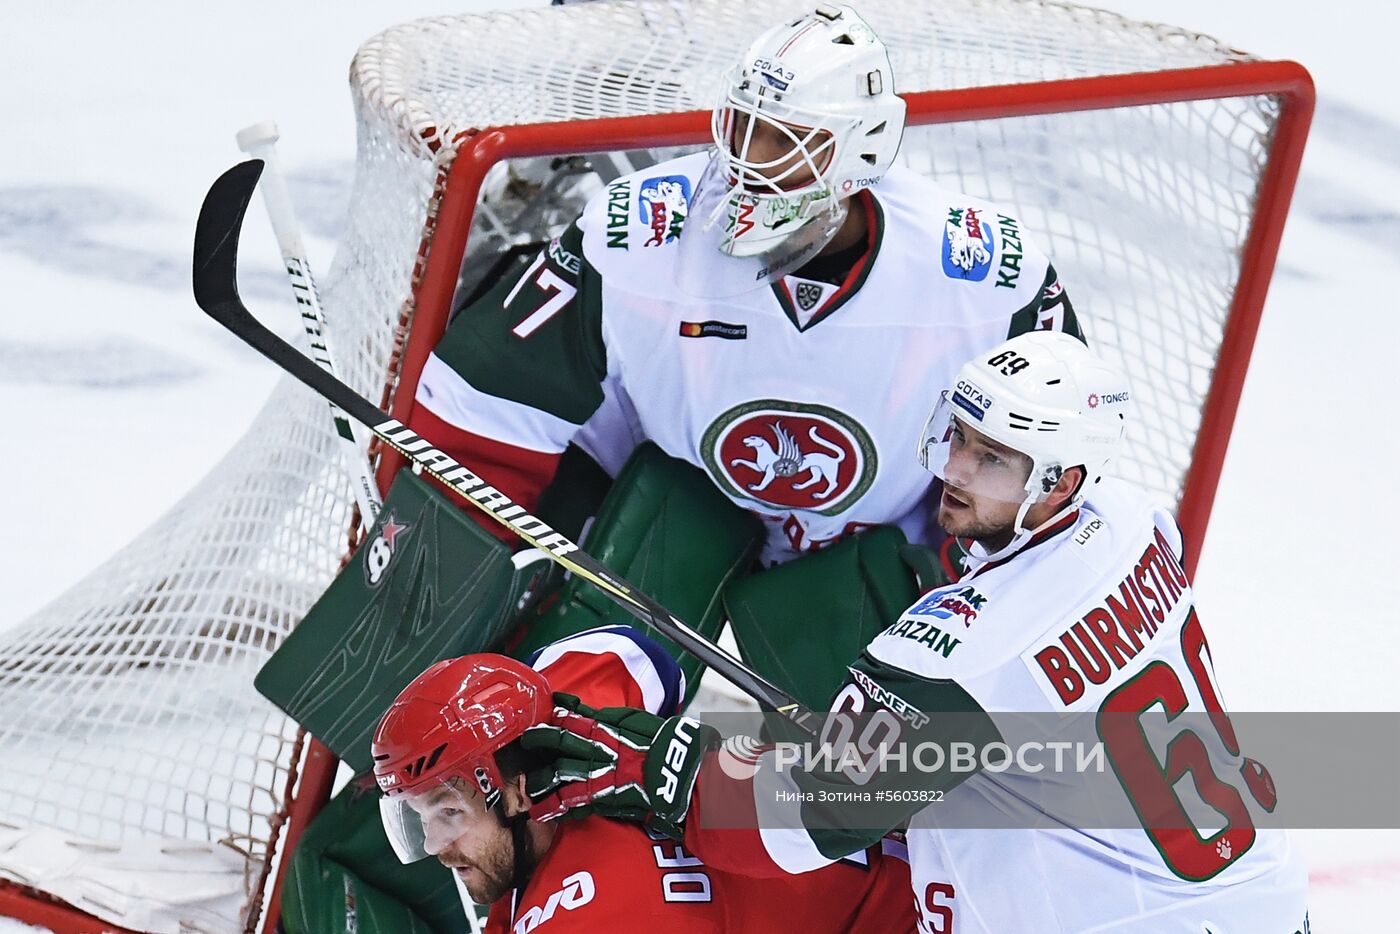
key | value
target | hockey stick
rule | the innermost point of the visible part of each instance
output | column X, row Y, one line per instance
column 260, row 141
column 216, row 292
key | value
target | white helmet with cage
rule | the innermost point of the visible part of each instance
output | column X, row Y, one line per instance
column 1043, row 394
column 823, row 83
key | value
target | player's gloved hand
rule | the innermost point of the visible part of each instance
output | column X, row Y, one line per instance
column 617, row 762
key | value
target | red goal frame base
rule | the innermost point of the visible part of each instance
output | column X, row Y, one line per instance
column 31, row 906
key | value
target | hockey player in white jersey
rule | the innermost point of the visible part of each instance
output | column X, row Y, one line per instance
column 775, row 312
column 1075, row 606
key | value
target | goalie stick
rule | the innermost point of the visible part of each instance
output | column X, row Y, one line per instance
column 260, row 141
column 216, row 292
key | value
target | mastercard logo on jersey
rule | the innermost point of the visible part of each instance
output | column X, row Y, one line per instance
column 720, row 329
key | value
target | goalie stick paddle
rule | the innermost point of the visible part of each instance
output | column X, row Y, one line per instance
column 216, row 292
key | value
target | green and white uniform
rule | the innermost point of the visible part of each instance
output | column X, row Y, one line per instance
column 1087, row 635
column 798, row 399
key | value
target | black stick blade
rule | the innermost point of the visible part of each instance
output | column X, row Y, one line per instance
column 216, row 238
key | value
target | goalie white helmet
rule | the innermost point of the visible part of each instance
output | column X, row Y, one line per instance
column 807, row 117
column 1042, row 394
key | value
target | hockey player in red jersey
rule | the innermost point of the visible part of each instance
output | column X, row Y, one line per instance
column 449, row 762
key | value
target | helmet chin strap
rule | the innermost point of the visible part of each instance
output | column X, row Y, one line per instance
column 523, row 850
column 1023, row 534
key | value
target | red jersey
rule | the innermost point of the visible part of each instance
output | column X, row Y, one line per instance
column 613, row 877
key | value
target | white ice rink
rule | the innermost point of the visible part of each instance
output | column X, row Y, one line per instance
column 119, row 394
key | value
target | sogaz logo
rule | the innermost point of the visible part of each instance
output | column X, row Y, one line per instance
column 774, row 73
column 971, row 399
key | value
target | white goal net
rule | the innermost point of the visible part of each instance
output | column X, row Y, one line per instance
column 143, row 777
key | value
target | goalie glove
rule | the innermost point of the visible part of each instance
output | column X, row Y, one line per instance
column 617, row 762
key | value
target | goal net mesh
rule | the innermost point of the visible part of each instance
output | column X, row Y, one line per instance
column 143, row 776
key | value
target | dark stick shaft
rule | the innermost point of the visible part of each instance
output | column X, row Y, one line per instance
column 216, row 292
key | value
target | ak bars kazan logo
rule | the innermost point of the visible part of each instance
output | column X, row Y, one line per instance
column 946, row 603
column 968, row 245
column 790, row 455
column 663, row 204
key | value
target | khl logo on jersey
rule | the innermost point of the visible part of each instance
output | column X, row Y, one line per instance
column 790, row 455
column 808, row 294
column 946, row 603
column 379, row 553
column 662, row 204
column 968, row 246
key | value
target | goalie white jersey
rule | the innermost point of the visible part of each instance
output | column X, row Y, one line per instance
column 798, row 400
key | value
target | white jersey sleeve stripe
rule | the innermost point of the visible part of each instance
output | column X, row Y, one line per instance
column 443, row 391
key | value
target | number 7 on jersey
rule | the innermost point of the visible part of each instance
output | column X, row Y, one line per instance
column 558, row 294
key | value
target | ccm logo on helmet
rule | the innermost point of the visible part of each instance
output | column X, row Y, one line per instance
column 1108, row 399
column 675, row 758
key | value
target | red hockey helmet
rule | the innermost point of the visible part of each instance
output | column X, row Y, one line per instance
column 442, row 734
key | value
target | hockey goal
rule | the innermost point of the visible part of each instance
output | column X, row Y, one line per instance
column 143, row 780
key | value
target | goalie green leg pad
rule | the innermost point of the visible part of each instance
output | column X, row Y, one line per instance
column 665, row 528
column 327, row 889
column 801, row 623
column 427, row 583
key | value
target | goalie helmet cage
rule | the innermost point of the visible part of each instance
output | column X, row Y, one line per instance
column 145, row 783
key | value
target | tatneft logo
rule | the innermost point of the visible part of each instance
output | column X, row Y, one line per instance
column 577, row 890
